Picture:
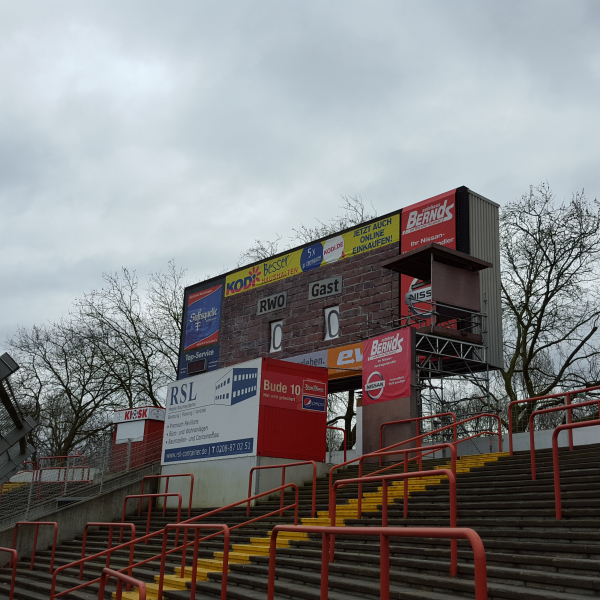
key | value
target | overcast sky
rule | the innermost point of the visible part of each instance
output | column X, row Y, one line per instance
column 133, row 132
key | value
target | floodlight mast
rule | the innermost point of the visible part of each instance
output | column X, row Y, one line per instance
column 7, row 367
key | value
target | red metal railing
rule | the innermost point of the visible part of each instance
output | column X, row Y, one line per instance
column 196, row 528
column 168, row 477
column 418, row 421
column 416, row 450
column 144, row 538
column 121, row 578
column 60, row 459
column 384, row 533
column 384, row 506
column 344, row 432
column 541, row 411
column 13, row 562
column 555, row 459
column 417, row 439
column 283, row 467
column 423, row 449
column 150, row 497
column 37, row 524
column 111, row 526
column 568, row 398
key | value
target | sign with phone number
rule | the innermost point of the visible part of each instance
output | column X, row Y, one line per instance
column 220, row 449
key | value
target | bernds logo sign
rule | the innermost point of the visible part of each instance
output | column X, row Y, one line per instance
column 432, row 214
column 385, row 347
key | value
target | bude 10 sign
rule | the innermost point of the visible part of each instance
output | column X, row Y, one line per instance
column 286, row 390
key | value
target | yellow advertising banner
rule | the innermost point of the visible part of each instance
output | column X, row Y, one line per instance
column 356, row 241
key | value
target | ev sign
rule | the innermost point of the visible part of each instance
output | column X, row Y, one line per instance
column 386, row 367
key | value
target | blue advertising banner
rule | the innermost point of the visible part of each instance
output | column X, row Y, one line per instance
column 203, row 318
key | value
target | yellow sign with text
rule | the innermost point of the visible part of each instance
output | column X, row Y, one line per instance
column 362, row 239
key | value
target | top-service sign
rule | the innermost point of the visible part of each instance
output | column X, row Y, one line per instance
column 356, row 241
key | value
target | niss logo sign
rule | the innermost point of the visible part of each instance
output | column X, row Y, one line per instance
column 375, row 385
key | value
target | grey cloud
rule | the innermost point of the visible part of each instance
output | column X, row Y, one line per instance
column 134, row 132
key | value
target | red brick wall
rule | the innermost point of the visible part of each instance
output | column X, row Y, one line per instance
column 368, row 300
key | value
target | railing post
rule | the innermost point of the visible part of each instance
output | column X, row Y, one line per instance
column 570, row 420
column 384, row 561
column 103, row 466
column 33, row 476
column 128, row 455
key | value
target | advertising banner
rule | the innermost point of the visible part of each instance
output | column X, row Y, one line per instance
column 293, row 391
column 342, row 361
column 345, row 361
column 432, row 220
column 210, row 354
column 203, row 317
column 386, row 367
column 356, row 241
column 213, row 415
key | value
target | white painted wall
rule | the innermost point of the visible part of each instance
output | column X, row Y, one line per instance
column 224, row 481
column 543, row 439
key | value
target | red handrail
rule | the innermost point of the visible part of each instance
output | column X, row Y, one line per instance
column 567, row 395
column 111, row 526
column 149, row 496
column 13, row 561
column 196, row 528
column 344, row 432
column 406, row 476
column 283, row 468
column 419, row 437
column 384, row 533
column 121, row 577
column 35, row 539
column 430, row 449
column 67, row 456
column 541, row 411
column 54, row 595
column 418, row 421
column 379, row 453
column 555, row 463
column 167, row 477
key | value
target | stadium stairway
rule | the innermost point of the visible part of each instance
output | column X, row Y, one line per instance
column 530, row 554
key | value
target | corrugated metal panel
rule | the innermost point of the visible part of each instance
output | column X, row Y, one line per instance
column 485, row 244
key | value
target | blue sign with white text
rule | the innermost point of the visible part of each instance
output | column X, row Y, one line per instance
column 203, row 317
column 312, row 257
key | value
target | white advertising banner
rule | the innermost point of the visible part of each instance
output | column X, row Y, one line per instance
column 213, row 415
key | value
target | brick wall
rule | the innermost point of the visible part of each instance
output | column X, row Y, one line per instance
column 369, row 299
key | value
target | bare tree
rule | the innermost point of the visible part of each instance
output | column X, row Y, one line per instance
column 354, row 213
column 550, row 295
column 64, row 384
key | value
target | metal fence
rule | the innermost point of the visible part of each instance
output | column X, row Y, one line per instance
column 57, row 481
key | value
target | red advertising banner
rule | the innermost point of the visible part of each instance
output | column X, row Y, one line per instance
column 432, row 220
column 293, row 391
column 386, row 367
